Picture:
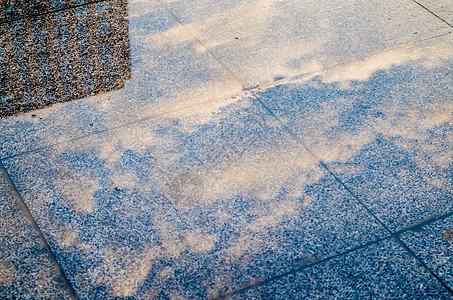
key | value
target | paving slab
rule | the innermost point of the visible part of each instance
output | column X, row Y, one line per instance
column 383, row 125
column 265, row 40
column 181, row 69
column 26, row 270
column 163, row 78
column 199, row 164
column 433, row 244
column 195, row 204
column 383, row 271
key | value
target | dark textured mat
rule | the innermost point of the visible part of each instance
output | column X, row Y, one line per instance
column 11, row 10
column 62, row 56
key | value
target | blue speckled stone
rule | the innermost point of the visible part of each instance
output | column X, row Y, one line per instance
column 172, row 206
column 16, row 9
column 266, row 41
column 26, row 271
column 253, row 139
column 63, row 56
column 441, row 8
column 380, row 271
column 166, row 69
column 389, row 139
column 433, row 244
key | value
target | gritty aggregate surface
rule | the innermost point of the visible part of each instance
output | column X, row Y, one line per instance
column 246, row 149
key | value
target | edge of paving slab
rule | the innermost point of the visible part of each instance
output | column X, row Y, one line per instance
column 24, row 209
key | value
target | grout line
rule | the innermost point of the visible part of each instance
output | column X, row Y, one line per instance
column 294, row 136
column 431, row 38
column 327, row 68
column 296, row 270
column 431, row 12
column 427, row 222
column 51, row 12
column 177, row 19
column 23, row 207
column 393, row 235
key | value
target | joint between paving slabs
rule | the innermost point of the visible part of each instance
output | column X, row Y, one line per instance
column 31, row 220
column 303, row 267
column 198, row 40
column 431, row 12
column 321, row 163
column 394, row 235
column 253, row 91
column 139, row 120
column 426, row 222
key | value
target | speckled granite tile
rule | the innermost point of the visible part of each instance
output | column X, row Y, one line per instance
column 181, row 72
column 433, row 244
column 384, row 128
column 11, row 10
column 442, row 8
column 26, row 272
column 380, row 271
column 404, row 172
column 266, row 40
column 395, row 186
column 164, row 77
column 192, row 204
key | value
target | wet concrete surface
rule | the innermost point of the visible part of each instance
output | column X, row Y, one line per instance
column 244, row 149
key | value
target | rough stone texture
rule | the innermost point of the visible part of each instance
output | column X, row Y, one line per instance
column 433, row 244
column 178, row 204
column 257, row 138
column 171, row 69
column 63, row 56
column 263, row 41
column 388, row 136
column 381, row 271
column 26, row 272
column 165, row 78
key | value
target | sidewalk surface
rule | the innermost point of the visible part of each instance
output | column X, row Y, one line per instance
column 243, row 149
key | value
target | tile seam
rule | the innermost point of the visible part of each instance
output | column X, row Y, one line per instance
column 296, row 270
column 393, row 235
column 198, row 40
column 31, row 220
column 141, row 120
column 320, row 162
column 425, row 223
column 433, row 13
